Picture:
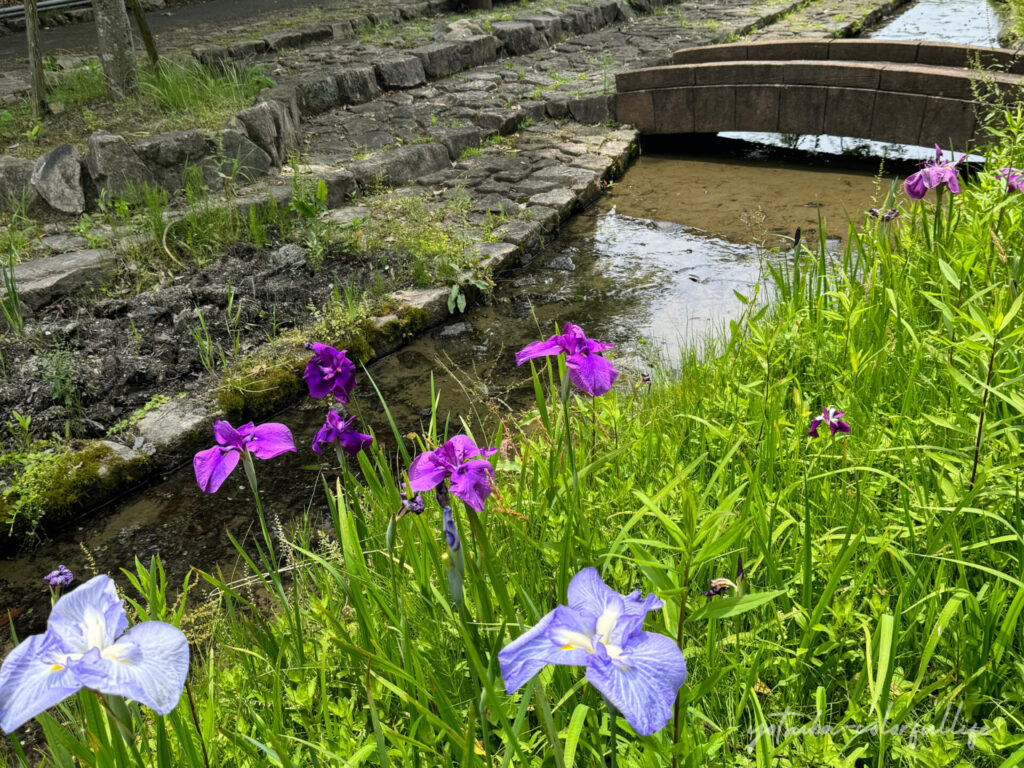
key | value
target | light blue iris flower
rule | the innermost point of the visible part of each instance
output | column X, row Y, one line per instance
column 638, row 672
column 86, row 646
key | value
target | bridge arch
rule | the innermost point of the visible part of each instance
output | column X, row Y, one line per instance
column 900, row 92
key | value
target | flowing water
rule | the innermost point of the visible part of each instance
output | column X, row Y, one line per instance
column 654, row 267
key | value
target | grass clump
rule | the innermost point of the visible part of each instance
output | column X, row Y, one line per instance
column 172, row 96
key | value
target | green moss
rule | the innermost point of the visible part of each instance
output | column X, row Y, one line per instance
column 52, row 485
column 260, row 387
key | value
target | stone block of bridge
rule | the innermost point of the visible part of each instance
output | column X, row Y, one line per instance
column 948, row 122
column 839, row 75
column 927, row 81
column 637, row 108
column 740, row 73
column 714, row 108
column 711, row 53
column 757, row 107
column 802, row 109
column 897, row 117
column 849, row 111
column 897, row 51
column 673, row 110
column 654, row 77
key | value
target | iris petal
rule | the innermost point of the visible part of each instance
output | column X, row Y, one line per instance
column 539, row 349
column 592, row 374
column 213, row 466
column 471, row 482
column 88, row 617
column 642, row 682
column 31, row 682
column 149, row 665
column 590, row 597
column 228, row 436
column 525, row 656
column 270, row 440
column 426, row 472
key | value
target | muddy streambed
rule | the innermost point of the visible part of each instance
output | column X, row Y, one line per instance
column 652, row 267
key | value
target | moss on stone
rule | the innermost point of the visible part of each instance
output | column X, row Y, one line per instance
column 53, row 485
column 260, row 387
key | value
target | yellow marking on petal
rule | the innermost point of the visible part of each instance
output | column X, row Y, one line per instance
column 56, row 667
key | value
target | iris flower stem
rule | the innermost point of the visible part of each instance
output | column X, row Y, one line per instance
column 981, row 416
column 676, row 721
column 195, row 722
column 250, row 473
column 613, row 733
column 568, row 439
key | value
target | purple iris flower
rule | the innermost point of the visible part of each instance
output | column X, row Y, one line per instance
column 462, row 463
column 449, row 529
column 934, row 174
column 266, row 441
column 86, row 646
column 638, row 672
column 720, row 585
column 339, row 430
column 60, row 577
column 833, row 418
column 329, row 372
column 1014, row 179
column 588, row 370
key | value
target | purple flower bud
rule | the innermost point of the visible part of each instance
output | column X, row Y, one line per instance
column 451, row 533
column 414, row 505
column 59, row 578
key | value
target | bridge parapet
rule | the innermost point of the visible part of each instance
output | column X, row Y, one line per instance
column 913, row 94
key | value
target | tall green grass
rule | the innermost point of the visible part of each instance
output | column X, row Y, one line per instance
column 882, row 623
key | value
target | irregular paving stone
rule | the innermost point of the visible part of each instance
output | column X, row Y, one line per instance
column 548, row 218
column 348, row 214
column 495, row 204
column 400, row 72
column 63, row 243
column 457, row 140
column 259, row 124
column 16, row 182
column 41, row 281
column 114, row 166
column 57, row 177
column 341, row 185
column 357, row 84
column 317, row 93
column 548, row 25
column 433, row 301
column 477, row 50
column 167, row 154
column 242, row 158
column 495, row 257
column 400, row 165
column 517, row 37
column 439, row 59
column 561, row 200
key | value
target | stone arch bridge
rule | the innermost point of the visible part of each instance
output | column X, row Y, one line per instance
column 900, row 92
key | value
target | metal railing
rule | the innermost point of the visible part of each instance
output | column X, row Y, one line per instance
column 18, row 11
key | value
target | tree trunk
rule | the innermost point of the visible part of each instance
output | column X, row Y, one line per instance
column 147, row 35
column 117, row 52
column 35, row 60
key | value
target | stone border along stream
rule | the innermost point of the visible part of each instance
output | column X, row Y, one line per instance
column 564, row 165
